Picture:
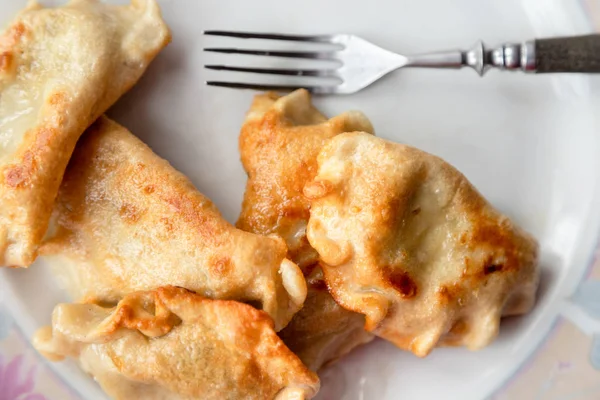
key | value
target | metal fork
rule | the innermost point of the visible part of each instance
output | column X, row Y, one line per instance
column 361, row 63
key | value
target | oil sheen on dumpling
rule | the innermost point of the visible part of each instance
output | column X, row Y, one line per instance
column 406, row 240
column 171, row 344
column 60, row 69
column 126, row 220
column 279, row 144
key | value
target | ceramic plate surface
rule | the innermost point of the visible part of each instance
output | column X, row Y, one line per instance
column 531, row 144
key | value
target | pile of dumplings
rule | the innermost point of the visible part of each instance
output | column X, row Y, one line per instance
column 342, row 236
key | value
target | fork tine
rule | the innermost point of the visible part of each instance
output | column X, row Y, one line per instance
column 275, row 71
column 267, row 87
column 320, row 55
column 271, row 36
column 255, row 86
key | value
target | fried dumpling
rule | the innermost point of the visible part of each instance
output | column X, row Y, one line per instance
column 323, row 331
column 173, row 344
column 60, row 69
column 125, row 220
column 407, row 241
column 279, row 144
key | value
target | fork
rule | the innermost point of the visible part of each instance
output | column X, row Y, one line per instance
column 361, row 63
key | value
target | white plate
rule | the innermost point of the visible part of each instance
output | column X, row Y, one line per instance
column 529, row 143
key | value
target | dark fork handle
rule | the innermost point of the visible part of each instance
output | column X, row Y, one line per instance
column 568, row 54
column 563, row 54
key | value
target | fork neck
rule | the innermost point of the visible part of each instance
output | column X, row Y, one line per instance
column 453, row 59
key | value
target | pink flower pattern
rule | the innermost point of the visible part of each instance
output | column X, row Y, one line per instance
column 14, row 384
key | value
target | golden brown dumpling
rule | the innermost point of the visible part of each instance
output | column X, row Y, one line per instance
column 323, row 331
column 279, row 144
column 125, row 220
column 172, row 344
column 406, row 240
column 60, row 69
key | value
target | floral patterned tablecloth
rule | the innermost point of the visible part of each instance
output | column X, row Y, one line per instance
column 22, row 375
column 565, row 367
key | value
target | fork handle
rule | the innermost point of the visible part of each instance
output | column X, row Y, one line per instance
column 563, row 54
column 568, row 54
